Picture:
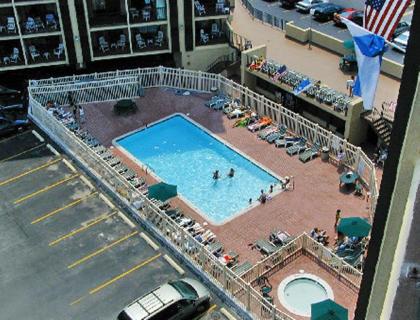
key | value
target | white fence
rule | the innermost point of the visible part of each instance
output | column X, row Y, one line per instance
column 127, row 84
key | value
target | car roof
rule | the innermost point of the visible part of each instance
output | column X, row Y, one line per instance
column 152, row 302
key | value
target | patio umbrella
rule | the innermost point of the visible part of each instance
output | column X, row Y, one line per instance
column 354, row 227
column 162, row 191
column 348, row 44
column 328, row 310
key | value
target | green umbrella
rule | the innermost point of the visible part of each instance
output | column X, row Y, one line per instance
column 162, row 191
column 328, row 310
column 354, row 227
column 348, row 44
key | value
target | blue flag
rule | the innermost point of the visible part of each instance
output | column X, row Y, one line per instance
column 369, row 50
column 303, row 86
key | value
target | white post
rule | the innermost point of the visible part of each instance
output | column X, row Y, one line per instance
column 200, row 76
column 357, row 160
column 248, row 297
column 316, row 133
column 160, row 75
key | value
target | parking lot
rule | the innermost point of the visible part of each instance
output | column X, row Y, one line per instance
column 68, row 252
column 305, row 21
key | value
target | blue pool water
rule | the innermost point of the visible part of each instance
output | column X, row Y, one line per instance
column 181, row 153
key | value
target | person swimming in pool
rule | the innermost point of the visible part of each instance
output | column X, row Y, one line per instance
column 216, row 175
column 231, row 173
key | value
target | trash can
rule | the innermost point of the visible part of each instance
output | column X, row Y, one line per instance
column 325, row 153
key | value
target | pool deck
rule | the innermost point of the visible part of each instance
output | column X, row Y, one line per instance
column 313, row 202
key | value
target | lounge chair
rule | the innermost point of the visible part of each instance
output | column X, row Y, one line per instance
column 310, row 153
column 130, row 174
column 121, row 168
column 107, row 155
column 277, row 135
column 265, row 246
column 286, row 141
column 242, row 268
column 137, row 182
column 297, row 147
column 263, row 134
column 263, row 123
column 236, row 113
column 280, row 238
column 215, row 247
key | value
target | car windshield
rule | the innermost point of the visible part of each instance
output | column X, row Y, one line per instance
column 404, row 36
column 185, row 290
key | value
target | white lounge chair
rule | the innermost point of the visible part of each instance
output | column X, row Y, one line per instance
column 59, row 50
column 103, row 44
column 200, row 8
column 204, row 37
column 11, row 25
column 33, row 52
column 140, row 41
column 159, row 38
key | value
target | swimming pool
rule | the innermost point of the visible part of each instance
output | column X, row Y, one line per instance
column 181, row 152
column 299, row 291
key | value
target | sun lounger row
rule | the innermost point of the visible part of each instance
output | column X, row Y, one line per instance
column 105, row 154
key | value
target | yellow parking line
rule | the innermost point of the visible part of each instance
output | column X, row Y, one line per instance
column 211, row 308
column 124, row 274
column 99, row 251
column 76, row 231
column 69, row 205
column 25, row 173
column 21, row 153
column 51, row 186
column 76, row 301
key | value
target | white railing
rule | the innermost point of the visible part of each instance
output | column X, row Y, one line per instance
column 305, row 245
column 126, row 84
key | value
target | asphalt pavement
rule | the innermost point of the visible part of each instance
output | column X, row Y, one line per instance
column 306, row 21
column 66, row 251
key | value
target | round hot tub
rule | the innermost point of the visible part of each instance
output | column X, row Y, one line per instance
column 297, row 292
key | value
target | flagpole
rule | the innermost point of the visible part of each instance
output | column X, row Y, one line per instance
column 386, row 41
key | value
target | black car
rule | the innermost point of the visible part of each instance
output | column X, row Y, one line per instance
column 401, row 28
column 289, row 4
column 326, row 11
column 11, row 123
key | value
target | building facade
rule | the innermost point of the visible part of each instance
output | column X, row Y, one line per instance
column 61, row 37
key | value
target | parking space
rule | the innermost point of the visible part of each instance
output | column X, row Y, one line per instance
column 67, row 252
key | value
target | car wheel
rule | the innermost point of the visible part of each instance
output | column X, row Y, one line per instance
column 203, row 306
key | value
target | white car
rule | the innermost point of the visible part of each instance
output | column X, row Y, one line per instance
column 175, row 300
column 306, row 5
column 401, row 41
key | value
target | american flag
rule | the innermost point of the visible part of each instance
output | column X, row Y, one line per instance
column 382, row 16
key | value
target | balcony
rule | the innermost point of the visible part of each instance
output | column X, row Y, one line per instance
column 11, row 54
column 210, row 32
column 44, row 50
column 38, row 19
column 106, row 13
column 203, row 8
column 110, row 42
column 8, row 26
column 151, row 38
column 147, row 11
